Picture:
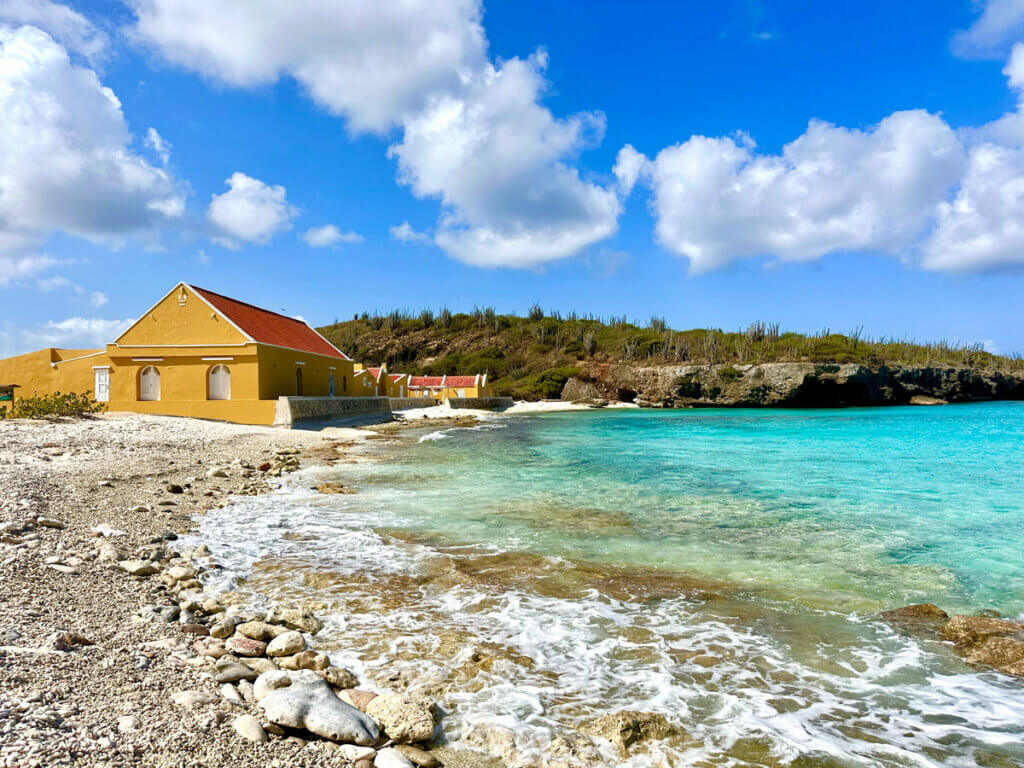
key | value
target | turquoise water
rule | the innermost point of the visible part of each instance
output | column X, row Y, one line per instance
column 723, row 568
column 863, row 508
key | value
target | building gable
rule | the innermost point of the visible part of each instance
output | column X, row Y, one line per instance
column 182, row 318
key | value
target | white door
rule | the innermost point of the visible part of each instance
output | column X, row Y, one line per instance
column 220, row 383
column 149, row 384
column 102, row 384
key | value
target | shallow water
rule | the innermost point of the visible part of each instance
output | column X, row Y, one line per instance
column 720, row 567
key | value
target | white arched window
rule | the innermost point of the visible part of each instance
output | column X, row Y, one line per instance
column 149, row 383
column 220, row 383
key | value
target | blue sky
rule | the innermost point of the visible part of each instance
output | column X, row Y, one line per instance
column 715, row 163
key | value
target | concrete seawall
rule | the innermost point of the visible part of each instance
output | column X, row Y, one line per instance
column 481, row 403
column 404, row 403
column 339, row 411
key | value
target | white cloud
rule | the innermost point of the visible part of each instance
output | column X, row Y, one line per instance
column 474, row 134
column 1000, row 24
column 98, row 299
column 373, row 61
column 404, row 233
column 630, row 165
column 496, row 159
column 66, row 162
column 73, row 333
column 250, row 211
column 833, row 189
column 159, row 145
column 70, row 28
column 15, row 267
column 328, row 235
column 53, row 283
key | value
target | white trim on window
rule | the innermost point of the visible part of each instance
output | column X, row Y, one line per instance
column 299, row 362
column 216, row 358
column 100, row 367
column 147, row 359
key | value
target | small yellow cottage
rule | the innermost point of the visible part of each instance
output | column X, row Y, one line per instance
column 444, row 387
column 195, row 353
column 381, row 383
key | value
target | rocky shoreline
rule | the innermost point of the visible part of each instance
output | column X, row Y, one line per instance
column 112, row 655
column 790, row 385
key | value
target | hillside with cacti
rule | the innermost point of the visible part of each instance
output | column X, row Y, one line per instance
column 533, row 356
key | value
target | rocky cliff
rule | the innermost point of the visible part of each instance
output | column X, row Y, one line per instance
column 795, row 385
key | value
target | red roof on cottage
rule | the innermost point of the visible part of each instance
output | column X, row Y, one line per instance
column 375, row 372
column 268, row 327
column 426, row 381
column 460, row 381
column 397, row 376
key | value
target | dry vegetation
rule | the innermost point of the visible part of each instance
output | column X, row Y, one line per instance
column 532, row 356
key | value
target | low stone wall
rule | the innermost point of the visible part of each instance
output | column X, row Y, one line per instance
column 481, row 403
column 404, row 403
column 340, row 411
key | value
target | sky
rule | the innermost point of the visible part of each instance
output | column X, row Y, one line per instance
column 822, row 165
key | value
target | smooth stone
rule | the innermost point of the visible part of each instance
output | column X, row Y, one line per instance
column 174, row 488
column 180, row 573
column 269, row 681
column 245, row 688
column 193, row 698
column 259, row 630
column 212, row 606
column 230, row 693
column 392, row 758
column 286, row 644
column 915, row 614
column 305, row 660
column 216, row 472
column 419, row 757
column 340, row 678
column 232, row 672
column 210, row 647
column 405, row 720
column 248, row 727
column 167, row 613
column 224, row 628
column 195, row 629
column 259, row 666
column 138, row 567
column 354, row 753
column 308, row 702
column 245, row 646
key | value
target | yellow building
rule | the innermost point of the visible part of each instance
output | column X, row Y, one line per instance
column 382, row 383
column 444, row 387
column 195, row 353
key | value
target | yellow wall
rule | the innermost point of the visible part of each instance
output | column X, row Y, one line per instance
column 191, row 322
column 277, row 374
column 35, row 372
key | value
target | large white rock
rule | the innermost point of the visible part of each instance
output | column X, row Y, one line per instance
column 308, row 702
column 248, row 727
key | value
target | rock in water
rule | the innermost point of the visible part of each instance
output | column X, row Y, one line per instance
column 308, row 702
column 392, row 758
column 405, row 720
column 248, row 727
column 295, row 618
column 628, row 727
column 286, row 644
column 917, row 612
column 260, row 630
column 989, row 642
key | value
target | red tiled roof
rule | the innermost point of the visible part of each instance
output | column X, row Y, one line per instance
column 426, row 381
column 397, row 376
column 268, row 327
column 460, row 381
column 375, row 372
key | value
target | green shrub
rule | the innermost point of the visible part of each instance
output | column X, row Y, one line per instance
column 728, row 373
column 57, row 404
